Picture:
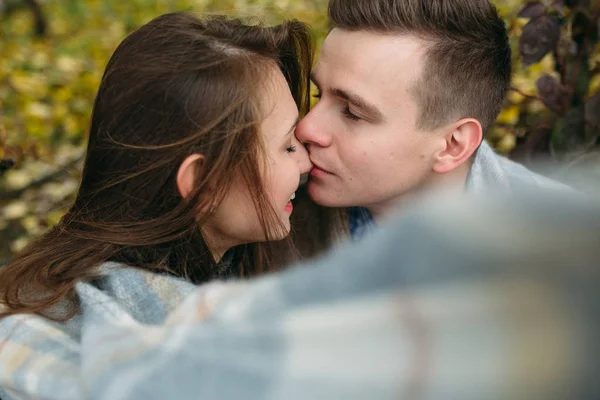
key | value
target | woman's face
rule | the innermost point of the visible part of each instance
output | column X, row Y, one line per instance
column 236, row 220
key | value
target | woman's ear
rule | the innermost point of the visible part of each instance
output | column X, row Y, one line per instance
column 186, row 175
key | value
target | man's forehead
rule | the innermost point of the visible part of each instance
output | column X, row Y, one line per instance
column 373, row 49
column 375, row 65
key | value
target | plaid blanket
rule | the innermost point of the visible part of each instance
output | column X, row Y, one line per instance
column 467, row 299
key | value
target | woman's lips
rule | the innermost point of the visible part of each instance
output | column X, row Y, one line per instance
column 289, row 207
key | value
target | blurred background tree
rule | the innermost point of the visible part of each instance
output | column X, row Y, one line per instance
column 53, row 53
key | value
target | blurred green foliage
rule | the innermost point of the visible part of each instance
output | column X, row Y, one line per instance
column 48, row 84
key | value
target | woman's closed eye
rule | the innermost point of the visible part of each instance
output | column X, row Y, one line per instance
column 291, row 149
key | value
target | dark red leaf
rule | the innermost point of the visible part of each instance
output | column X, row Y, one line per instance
column 533, row 9
column 539, row 37
column 553, row 93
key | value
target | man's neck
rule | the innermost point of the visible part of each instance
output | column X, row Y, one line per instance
column 449, row 182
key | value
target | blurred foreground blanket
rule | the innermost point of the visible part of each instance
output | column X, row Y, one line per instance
column 469, row 298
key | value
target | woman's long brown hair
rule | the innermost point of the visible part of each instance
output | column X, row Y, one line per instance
column 178, row 85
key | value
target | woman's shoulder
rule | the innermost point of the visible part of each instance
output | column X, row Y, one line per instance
column 49, row 352
column 146, row 296
column 118, row 291
column 39, row 356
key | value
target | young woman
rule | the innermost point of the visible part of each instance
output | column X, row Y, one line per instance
column 191, row 158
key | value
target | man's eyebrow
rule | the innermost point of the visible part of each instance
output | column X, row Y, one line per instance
column 368, row 107
column 359, row 102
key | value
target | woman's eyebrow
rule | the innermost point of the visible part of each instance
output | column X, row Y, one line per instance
column 293, row 128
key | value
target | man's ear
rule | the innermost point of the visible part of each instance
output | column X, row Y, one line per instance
column 461, row 141
column 186, row 175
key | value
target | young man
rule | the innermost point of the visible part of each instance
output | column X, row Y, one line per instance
column 408, row 89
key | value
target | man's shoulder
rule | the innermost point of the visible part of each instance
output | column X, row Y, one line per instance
column 493, row 171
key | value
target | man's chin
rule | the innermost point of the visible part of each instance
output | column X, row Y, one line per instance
column 324, row 196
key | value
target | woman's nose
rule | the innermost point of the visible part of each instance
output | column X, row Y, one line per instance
column 303, row 159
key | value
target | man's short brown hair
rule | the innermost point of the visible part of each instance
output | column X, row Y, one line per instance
column 468, row 66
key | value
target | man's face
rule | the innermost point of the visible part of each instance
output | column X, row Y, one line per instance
column 362, row 135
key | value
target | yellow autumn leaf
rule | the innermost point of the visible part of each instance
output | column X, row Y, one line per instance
column 59, row 111
column 68, row 65
column 40, row 59
column 38, row 110
column 524, row 83
column 536, row 107
column 90, row 81
column 54, row 217
column 15, row 210
column 62, row 94
column 71, row 126
column 515, row 97
column 507, row 143
column 30, row 84
column 21, row 23
column 16, row 179
column 31, row 223
column 19, row 244
column 509, row 116
column 506, row 7
column 59, row 26
column 594, row 85
column 37, row 129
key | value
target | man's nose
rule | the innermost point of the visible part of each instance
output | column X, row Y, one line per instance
column 313, row 130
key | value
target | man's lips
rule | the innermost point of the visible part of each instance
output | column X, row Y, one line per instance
column 317, row 170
